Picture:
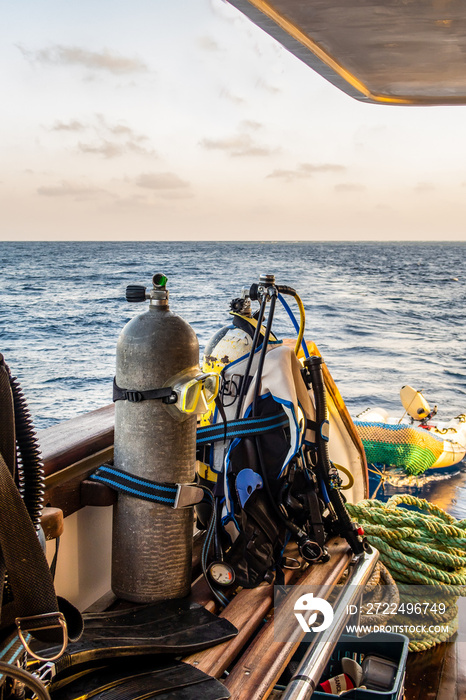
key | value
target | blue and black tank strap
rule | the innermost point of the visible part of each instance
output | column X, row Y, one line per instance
column 176, row 495
column 242, row 427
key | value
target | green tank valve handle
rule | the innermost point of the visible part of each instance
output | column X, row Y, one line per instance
column 159, row 281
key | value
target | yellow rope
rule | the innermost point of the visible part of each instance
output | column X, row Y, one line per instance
column 422, row 547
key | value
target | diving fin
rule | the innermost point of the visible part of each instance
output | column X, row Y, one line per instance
column 177, row 626
column 134, row 679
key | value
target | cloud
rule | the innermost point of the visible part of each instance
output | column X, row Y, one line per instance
column 111, row 149
column 73, row 125
column 227, row 95
column 208, row 44
column 105, row 149
column 251, row 125
column 239, row 145
column 176, row 194
column 161, row 181
column 262, row 84
column 349, row 187
column 306, row 170
column 105, row 60
column 69, row 189
column 424, row 187
column 110, row 140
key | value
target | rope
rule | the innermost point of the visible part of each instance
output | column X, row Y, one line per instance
column 422, row 547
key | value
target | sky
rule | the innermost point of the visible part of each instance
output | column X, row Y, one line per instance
column 181, row 120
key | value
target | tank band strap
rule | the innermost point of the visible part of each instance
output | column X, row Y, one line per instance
column 241, row 428
column 166, row 394
column 173, row 495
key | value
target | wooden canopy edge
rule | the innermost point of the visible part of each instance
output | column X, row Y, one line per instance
column 270, row 26
column 332, row 62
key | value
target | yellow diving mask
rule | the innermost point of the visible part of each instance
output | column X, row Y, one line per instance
column 193, row 390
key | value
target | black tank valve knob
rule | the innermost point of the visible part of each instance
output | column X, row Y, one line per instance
column 135, row 293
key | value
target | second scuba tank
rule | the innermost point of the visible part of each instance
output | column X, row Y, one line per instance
column 152, row 542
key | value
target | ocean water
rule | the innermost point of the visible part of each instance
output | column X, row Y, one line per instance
column 382, row 314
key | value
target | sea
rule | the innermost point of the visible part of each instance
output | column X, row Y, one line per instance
column 382, row 315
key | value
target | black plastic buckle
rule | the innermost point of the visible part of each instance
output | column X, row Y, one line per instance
column 134, row 396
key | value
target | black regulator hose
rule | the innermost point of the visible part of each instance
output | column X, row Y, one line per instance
column 306, row 546
column 255, row 340
column 260, row 366
column 346, row 527
column 30, row 474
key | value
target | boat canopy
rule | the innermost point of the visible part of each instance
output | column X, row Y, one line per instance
column 403, row 52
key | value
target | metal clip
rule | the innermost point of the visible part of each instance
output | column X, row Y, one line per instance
column 46, row 672
column 188, row 495
column 56, row 616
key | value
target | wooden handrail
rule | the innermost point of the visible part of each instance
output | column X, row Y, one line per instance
column 73, row 440
column 71, row 451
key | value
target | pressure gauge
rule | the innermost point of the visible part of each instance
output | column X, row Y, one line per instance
column 222, row 574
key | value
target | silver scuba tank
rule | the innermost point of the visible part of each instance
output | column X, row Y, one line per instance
column 152, row 542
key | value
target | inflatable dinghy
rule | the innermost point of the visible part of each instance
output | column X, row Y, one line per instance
column 417, row 441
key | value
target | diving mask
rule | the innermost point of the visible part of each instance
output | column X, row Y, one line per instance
column 194, row 390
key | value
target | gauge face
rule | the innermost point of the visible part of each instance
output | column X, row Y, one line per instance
column 221, row 573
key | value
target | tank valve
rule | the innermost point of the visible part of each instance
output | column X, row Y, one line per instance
column 158, row 295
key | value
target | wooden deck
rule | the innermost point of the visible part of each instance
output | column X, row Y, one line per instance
column 437, row 674
column 72, row 450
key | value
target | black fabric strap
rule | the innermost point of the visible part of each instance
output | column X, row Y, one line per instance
column 135, row 396
column 29, row 575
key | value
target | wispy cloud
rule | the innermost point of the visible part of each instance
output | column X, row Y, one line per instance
column 262, row 84
column 161, row 181
column 105, row 148
column 251, row 125
column 305, row 171
column 109, row 140
column 349, row 187
column 79, row 191
column 207, row 43
column 241, row 144
column 424, row 187
column 227, row 95
column 112, row 149
column 72, row 125
column 105, row 60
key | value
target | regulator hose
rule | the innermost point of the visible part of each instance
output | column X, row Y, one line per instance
column 283, row 289
column 346, row 528
column 30, row 471
column 252, row 351
column 422, row 547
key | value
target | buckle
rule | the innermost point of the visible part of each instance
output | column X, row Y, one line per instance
column 30, row 629
column 188, row 495
column 134, row 396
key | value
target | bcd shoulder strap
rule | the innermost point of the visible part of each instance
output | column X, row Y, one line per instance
column 34, row 607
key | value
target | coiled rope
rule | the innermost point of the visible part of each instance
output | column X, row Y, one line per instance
column 422, row 547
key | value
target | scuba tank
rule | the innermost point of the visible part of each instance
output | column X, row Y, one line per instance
column 152, row 542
